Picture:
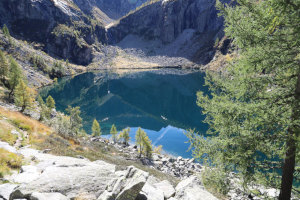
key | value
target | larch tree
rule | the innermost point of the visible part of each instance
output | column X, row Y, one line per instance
column 14, row 76
column 4, row 67
column 24, row 96
column 96, row 130
column 75, row 119
column 50, row 102
column 114, row 132
column 139, row 139
column 253, row 109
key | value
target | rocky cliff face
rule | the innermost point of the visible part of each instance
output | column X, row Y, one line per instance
column 75, row 29
column 166, row 20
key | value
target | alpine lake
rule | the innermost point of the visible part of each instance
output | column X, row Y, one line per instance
column 162, row 102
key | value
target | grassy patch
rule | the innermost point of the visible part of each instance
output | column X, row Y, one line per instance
column 6, row 135
column 8, row 161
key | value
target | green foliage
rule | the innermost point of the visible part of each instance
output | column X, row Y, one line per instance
column 158, row 149
column 24, row 96
column 75, row 119
column 144, row 143
column 50, row 102
column 39, row 63
column 124, row 136
column 216, row 180
column 147, row 147
column 40, row 100
column 139, row 139
column 15, row 75
column 5, row 31
column 253, row 110
column 4, row 67
column 96, row 130
column 114, row 132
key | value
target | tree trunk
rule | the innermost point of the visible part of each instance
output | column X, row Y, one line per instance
column 288, row 170
column 290, row 157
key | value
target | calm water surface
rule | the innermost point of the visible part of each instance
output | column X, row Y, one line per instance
column 161, row 102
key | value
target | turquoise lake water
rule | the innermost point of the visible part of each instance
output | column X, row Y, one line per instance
column 161, row 102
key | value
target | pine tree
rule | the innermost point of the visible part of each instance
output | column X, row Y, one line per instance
column 4, row 67
column 147, row 147
column 124, row 135
column 96, row 130
column 253, row 108
column 139, row 139
column 114, row 132
column 50, row 102
column 15, row 75
column 24, row 96
column 5, row 31
column 75, row 119
column 40, row 100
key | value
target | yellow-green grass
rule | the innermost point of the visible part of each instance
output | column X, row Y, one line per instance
column 8, row 161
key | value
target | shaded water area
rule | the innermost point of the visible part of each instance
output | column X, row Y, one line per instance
column 163, row 102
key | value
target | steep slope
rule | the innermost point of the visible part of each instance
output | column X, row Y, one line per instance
column 191, row 24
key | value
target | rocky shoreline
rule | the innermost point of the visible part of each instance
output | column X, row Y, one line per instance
column 175, row 166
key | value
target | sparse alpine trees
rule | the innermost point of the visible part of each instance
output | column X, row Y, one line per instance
column 24, row 96
column 114, row 132
column 50, row 102
column 144, row 143
column 75, row 119
column 4, row 67
column 15, row 75
column 124, row 136
column 139, row 139
column 96, row 130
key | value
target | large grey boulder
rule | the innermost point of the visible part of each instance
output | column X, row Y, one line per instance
column 70, row 180
column 166, row 187
column 191, row 189
column 6, row 189
column 126, row 187
column 149, row 192
column 47, row 196
column 26, row 175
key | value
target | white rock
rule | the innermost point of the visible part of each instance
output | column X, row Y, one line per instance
column 7, row 147
column 151, row 193
column 166, row 187
column 47, row 196
column 6, row 189
column 191, row 189
column 27, row 174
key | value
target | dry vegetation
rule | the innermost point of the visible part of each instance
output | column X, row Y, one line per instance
column 42, row 137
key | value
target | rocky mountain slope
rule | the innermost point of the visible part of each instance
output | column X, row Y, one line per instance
column 182, row 28
column 179, row 32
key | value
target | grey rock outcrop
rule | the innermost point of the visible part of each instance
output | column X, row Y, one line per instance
column 192, row 189
column 47, row 196
column 71, row 177
column 167, row 189
column 126, row 187
column 6, row 189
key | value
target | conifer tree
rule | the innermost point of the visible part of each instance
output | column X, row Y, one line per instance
column 5, row 31
column 147, row 147
column 50, row 102
column 253, row 107
column 15, row 75
column 75, row 119
column 124, row 135
column 4, row 67
column 40, row 100
column 114, row 132
column 139, row 139
column 24, row 96
column 96, row 130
